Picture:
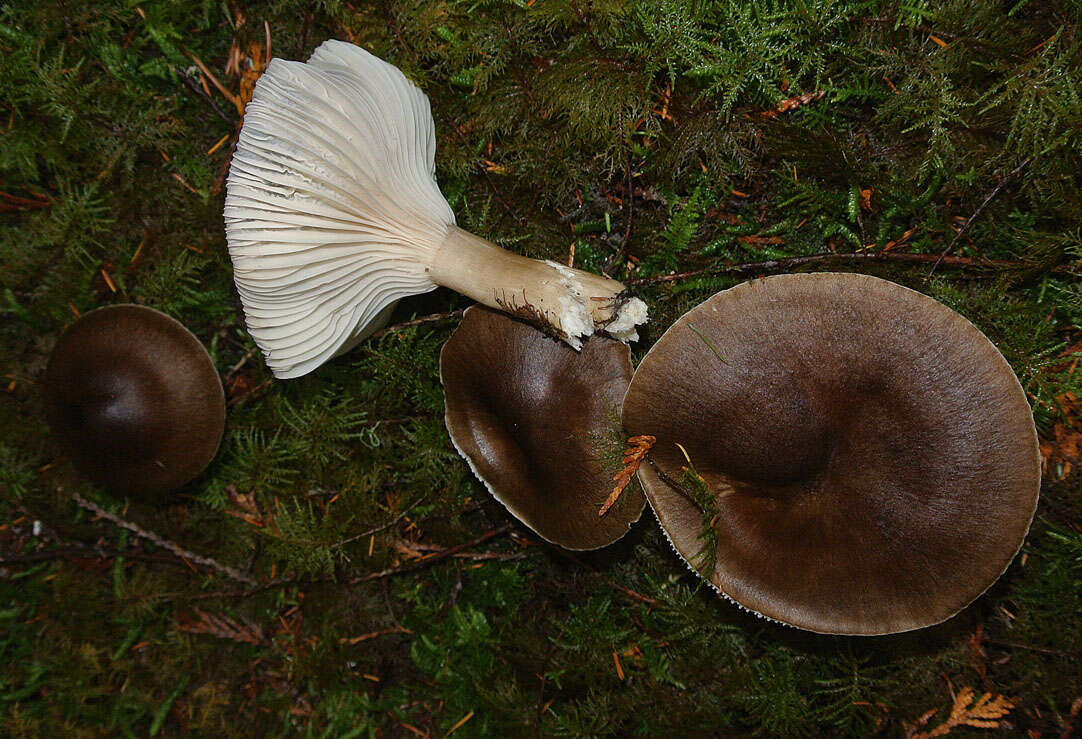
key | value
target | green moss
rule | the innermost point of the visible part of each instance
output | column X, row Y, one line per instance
column 934, row 117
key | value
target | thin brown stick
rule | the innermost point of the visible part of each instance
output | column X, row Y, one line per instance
column 84, row 552
column 783, row 263
column 977, row 212
column 539, row 716
column 977, row 46
column 492, row 556
column 468, row 508
column 221, row 88
column 230, row 572
column 621, row 252
column 431, row 318
column 240, row 363
column 472, row 556
column 373, row 634
column 432, row 558
column 390, row 572
column 244, row 397
column 635, row 596
column 630, row 207
column 10, row 202
column 198, row 90
column 169, row 597
column 1039, row 650
column 382, row 527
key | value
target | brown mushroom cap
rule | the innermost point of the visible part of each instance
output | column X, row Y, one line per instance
column 874, row 456
column 134, row 400
column 525, row 410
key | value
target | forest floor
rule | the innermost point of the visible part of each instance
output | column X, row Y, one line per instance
column 374, row 587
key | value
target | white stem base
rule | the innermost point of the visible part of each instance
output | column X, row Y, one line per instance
column 569, row 302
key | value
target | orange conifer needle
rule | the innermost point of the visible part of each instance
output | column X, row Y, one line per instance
column 633, row 457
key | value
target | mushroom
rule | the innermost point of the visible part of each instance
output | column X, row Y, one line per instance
column 134, row 400
column 531, row 417
column 333, row 214
column 869, row 458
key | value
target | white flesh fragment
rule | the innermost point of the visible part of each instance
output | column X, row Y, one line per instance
column 632, row 313
column 575, row 318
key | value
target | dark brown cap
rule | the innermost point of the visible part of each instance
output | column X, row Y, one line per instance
column 134, row 400
column 872, row 454
column 530, row 414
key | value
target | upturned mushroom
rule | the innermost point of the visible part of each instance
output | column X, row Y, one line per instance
column 531, row 416
column 134, row 400
column 333, row 214
column 868, row 458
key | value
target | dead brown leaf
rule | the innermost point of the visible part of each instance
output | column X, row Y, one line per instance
column 793, row 103
column 247, row 66
column 1062, row 451
column 413, row 549
column 247, row 509
column 756, row 240
column 223, row 627
column 730, row 218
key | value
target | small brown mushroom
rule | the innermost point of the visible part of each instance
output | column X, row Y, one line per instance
column 529, row 414
column 134, row 400
column 871, row 455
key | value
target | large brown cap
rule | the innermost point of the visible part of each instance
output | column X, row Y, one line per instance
column 134, row 400
column 531, row 415
column 873, row 455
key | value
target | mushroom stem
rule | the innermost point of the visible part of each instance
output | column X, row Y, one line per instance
column 570, row 302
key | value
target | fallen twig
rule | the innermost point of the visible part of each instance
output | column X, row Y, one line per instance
column 490, row 556
column 223, row 627
column 1028, row 647
column 373, row 635
column 977, row 212
column 198, row 90
column 15, row 202
column 230, row 572
column 977, row 46
column 635, row 596
column 221, row 88
column 85, row 552
column 381, row 527
column 414, row 565
column 240, row 363
column 783, row 263
column 430, row 559
column 459, row 723
column 621, row 252
column 245, row 396
column 431, row 318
